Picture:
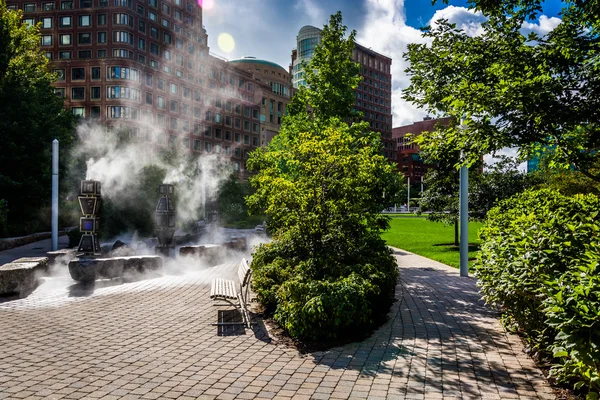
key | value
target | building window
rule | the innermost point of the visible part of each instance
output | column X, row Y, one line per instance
column 47, row 22
column 48, row 55
column 46, row 40
column 95, row 93
column 78, row 93
column 208, row 131
column 85, row 20
column 149, row 98
column 154, row 49
column 78, row 111
column 47, row 6
column 85, row 38
column 95, row 111
column 77, row 74
column 95, row 73
column 166, row 23
column 142, row 27
column 174, row 106
column 101, row 53
column 29, row 7
column 160, row 102
column 207, row 147
column 101, row 19
column 65, row 39
column 153, row 32
column 85, row 3
column 218, row 118
column 174, row 88
column 208, row 116
column 167, row 38
column 152, row 16
column 149, row 80
column 66, row 5
column 174, row 123
column 101, row 37
column 65, row 22
column 60, row 92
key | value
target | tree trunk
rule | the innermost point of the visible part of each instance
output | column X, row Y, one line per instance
column 456, row 233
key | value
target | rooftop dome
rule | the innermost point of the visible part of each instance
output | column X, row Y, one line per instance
column 254, row 60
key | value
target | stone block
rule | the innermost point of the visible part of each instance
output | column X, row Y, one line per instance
column 69, row 254
column 41, row 261
column 18, row 277
column 213, row 253
column 90, row 269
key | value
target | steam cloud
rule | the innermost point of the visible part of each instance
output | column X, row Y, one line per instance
column 117, row 164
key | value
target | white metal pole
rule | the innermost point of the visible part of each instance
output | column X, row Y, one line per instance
column 54, row 246
column 203, row 196
column 421, row 185
column 464, row 221
column 408, row 202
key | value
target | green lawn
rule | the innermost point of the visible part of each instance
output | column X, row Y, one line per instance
column 430, row 239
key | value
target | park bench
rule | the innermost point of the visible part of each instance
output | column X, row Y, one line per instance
column 227, row 290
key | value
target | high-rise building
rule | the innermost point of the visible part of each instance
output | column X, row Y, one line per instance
column 146, row 65
column 275, row 101
column 374, row 94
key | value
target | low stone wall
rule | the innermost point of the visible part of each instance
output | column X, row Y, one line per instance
column 21, row 276
column 90, row 269
column 10, row 243
column 214, row 253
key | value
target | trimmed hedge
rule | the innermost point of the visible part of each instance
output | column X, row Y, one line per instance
column 539, row 263
column 327, row 297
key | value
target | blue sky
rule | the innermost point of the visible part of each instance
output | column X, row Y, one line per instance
column 267, row 29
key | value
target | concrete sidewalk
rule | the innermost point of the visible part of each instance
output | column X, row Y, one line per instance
column 153, row 339
column 35, row 249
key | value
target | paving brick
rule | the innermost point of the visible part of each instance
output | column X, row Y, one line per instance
column 153, row 339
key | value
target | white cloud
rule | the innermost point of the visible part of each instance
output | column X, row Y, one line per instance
column 315, row 13
column 543, row 27
column 385, row 31
column 468, row 20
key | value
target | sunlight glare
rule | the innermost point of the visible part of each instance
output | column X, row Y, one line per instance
column 206, row 4
column 226, row 42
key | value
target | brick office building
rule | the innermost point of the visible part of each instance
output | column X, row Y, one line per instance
column 146, row 65
column 409, row 161
column 373, row 97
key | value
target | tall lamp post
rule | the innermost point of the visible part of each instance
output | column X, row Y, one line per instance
column 464, row 217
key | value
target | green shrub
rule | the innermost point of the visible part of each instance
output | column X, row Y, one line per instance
column 321, row 298
column 538, row 263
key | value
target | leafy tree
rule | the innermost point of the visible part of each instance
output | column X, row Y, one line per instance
column 321, row 183
column 513, row 89
column 441, row 194
column 497, row 182
column 31, row 117
column 331, row 76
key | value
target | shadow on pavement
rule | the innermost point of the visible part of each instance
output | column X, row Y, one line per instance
column 439, row 327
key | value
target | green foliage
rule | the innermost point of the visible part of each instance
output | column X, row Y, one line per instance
column 538, row 263
column 322, row 184
column 513, row 89
column 331, row 76
column 233, row 211
column 31, row 116
column 3, row 217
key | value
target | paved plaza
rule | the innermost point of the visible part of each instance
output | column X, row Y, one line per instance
column 153, row 339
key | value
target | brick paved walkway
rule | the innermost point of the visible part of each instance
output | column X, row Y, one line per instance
column 153, row 339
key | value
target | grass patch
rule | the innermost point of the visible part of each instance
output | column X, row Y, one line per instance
column 430, row 239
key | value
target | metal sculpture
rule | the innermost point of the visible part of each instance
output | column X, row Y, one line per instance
column 90, row 200
column 165, row 216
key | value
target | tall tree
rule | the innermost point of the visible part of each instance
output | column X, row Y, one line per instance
column 322, row 183
column 331, row 76
column 31, row 116
column 511, row 88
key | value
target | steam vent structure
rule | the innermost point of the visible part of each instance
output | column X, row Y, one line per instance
column 145, row 66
